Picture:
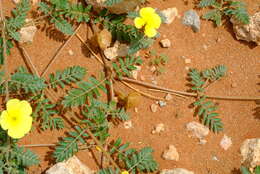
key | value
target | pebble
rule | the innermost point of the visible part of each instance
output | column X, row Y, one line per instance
column 171, row 153
column 162, row 103
column 169, row 14
column 218, row 40
column 154, row 82
column 154, row 107
column 128, row 124
column 205, row 47
column 198, row 130
column 225, row 142
column 214, row 158
column 187, row 61
column 176, row 171
column 192, row 19
column 158, row 128
column 27, row 33
column 165, row 43
column 202, row 141
column 153, row 69
column 168, row 97
column 71, row 53
column 187, row 68
column 136, row 109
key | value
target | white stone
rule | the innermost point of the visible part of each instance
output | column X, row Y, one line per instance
column 166, row 43
column 198, row 130
column 250, row 151
column 170, row 14
column 27, row 34
column 248, row 32
column 154, row 107
column 128, row 124
column 225, row 142
column 71, row 53
column 111, row 53
column 176, row 171
column 158, row 128
column 171, row 153
column 118, row 50
column 187, row 61
column 72, row 166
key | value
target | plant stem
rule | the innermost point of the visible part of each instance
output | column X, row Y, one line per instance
column 4, row 52
column 59, row 51
column 189, row 94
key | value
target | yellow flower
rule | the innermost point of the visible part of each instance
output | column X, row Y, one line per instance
column 16, row 118
column 125, row 172
column 150, row 19
column 149, row 31
column 98, row 149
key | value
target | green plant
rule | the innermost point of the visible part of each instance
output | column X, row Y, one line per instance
column 14, row 159
column 62, row 12
column 12, row 26
column 125, row 66
column 245, row 170
column 132, row 160
column 205, row 107
column 159, row 62
column 229, row 8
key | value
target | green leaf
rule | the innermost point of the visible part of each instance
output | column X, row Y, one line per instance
column 85, row 91
column 112, row 2
column 244, row 170
column 257, row 170
column 214, row 15
column 24, row 156
column 206, row 3
column 67, row 77
column 63, row 26
column 68, row 146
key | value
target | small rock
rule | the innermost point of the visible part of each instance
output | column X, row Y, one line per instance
column 111, row 53
column 248, row 32
column 198, row 130
column 250, row 151
column 202, row 141
column 153, row 69
column 154, row 107
column 158, row 128
column 72, row 166
column 214, row 158
column 166, row 43
column 71, row 53
column 192, row 19
column 168, row 97
column 218, row 40
column 205, row 47
column 154, row 82
column 128, row 124
column 176, row 171
column 187, row 68
column 171, row 154
column 234, row 85
column 27, row 34
column 169, row 14
column 16, row 1
column 104, row 39
column 136, row 109
column 162, row 103
column 118, row 50
column 203, row 35
column 187, row 61
column 225, row 142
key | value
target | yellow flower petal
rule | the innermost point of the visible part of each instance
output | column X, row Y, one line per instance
column 25, row 108
column 149, row 31
column 139, row 22
column 154, row 21
column 146, row 12
column 125, row 172
column 3, row 120
column 15, row 134
column 13, row 104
